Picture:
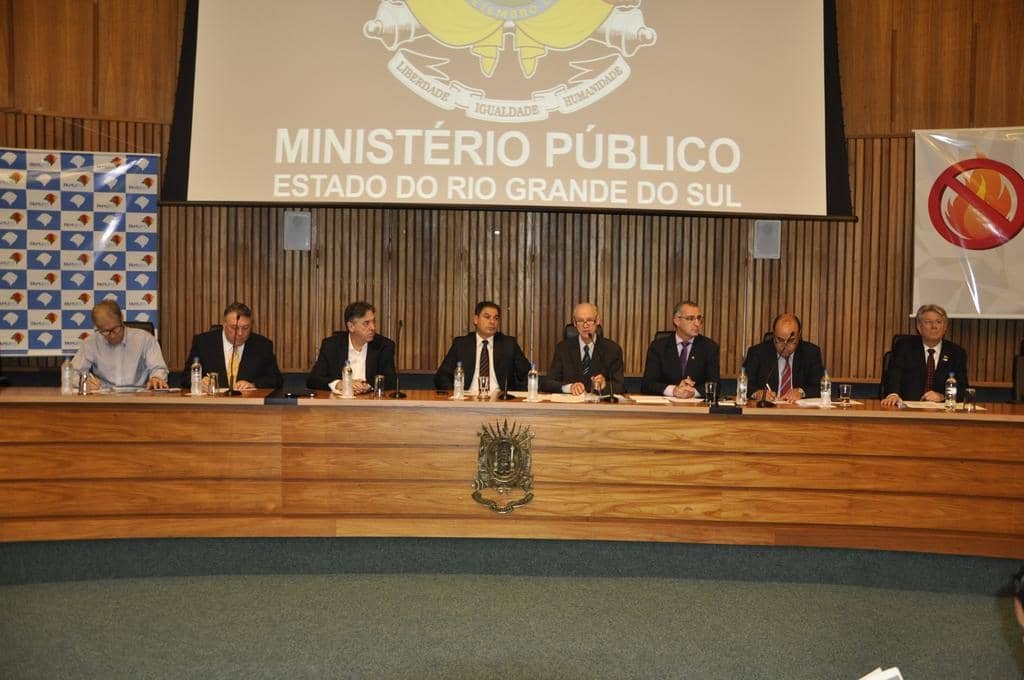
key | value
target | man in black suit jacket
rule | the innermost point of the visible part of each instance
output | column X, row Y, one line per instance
column 508, row 365
column 908, row 374
column 257, row 366
column 679, row 365
column 370, row 354
column 604, row 358
column 766, row 363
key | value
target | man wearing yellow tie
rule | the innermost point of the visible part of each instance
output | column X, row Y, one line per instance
column 245, row 359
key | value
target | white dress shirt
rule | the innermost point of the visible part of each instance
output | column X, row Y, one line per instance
column 357, row 360
column 476, row 372
column 227, row 356
column 567, row 388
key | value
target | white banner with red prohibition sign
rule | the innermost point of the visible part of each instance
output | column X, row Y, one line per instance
column 968, row 219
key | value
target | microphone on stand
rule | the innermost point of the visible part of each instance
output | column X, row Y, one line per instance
column 232, row 392
column 505, row 396
column 398, row 393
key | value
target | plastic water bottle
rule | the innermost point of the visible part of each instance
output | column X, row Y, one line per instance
column 67, row 377
column 533, row 384
column 826, row 390
column 196, row 378
column 346, row 380
column 459, row 385
column 741, row 388
column 951, row 393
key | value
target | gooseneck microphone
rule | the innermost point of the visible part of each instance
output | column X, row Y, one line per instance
column 505, row 396
column 398, row 393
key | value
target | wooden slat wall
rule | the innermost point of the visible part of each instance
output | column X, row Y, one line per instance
column 850, row 282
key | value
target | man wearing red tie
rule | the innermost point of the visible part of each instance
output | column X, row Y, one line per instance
column 785, row 367
column 922, row 363
column 679, row 365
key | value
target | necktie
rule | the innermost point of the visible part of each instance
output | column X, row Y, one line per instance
column 233, row 368
column 485, row 361
column 684, row 355
column 786, row 384
column 586, row 361
column 929, row 381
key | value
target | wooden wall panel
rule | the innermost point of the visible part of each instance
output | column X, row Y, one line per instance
column 999, row 63
column 137, row 42
column 54, row 56
column 866, row 36
column 6, row 54
column 932, row 60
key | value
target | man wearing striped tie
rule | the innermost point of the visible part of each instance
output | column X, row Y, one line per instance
column 785, row 365
column 586, row 361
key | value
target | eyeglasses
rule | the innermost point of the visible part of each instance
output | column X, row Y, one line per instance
column 794, row 340
column 235, row 328
column 931, row 323
column 585, row 322
column 109, row 331
column 691, row 317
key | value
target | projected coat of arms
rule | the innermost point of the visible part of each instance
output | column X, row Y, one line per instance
column 503, row 467
column 451, row 52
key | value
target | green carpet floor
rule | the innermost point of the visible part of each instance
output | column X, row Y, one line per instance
column 495, row 626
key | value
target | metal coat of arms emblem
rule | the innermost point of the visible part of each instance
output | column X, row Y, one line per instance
column 503, row 466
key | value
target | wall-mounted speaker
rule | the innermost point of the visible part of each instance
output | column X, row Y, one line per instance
column 767, row 239
column 298, row 230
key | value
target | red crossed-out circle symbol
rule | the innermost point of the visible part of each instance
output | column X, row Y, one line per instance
column 986, row 209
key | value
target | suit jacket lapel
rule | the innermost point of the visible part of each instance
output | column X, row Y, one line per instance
column 219, row 365
column 577, row 359
column 469, row 356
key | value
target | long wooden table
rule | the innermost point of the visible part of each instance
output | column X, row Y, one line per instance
column 170, row 465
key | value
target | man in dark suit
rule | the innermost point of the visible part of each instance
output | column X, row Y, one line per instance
column 486, row 350
column 679, row 365
column 585, row 363
column 788, row 365
column 368, row 353
column 244, row 359
column 922, row 363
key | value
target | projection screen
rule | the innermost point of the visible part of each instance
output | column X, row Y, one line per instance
column 667, row 105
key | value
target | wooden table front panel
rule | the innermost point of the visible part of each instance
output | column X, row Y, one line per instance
column 870, row 478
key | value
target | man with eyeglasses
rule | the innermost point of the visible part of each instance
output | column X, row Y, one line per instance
column 678, row 365
column 119, row 357
column 244, row 360
column 587, row 362
column 785, row 367
column 922, row 363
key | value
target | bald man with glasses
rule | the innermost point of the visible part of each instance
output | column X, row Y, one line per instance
column 587, row 362
column 785, row 367
column 678, row 365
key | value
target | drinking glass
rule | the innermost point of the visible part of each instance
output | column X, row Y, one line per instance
column 213, row 380
column 970, row 400
column 710, row 393
column 483, row 387
column 845, row 395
